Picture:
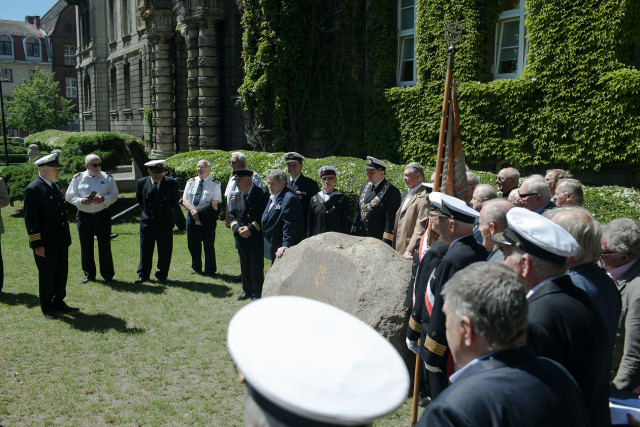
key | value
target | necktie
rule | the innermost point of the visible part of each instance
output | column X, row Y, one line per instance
column 196, row 198
column 155, row 188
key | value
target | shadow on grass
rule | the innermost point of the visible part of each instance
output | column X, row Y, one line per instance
column 213, row 289
column 121, row 286
column 100, row 322
column 27, row 300
column 228, row 277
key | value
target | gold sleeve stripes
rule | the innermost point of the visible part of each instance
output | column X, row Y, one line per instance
column 388, row 236
column 34, row 237
column 256, row 225
column 234, row 223
column 416, row 326
column 434, row 347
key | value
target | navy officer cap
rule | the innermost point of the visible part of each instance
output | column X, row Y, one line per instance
column 454, row 208
column 373, row 163
column 49, row 160
column 293, row 157
column 155, row 166
column 242, row 172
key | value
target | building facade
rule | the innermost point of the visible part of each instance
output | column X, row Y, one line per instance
column 163, row 70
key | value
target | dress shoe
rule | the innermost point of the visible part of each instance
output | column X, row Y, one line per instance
column 64, row 308
column 140, row 280
column 160, row 278
column 254, row 298
column 194, row 271
column 424, row 401
column 87, row 279
column 243, row 297
column 238, row 278
column 50, row 315
column 210, row 274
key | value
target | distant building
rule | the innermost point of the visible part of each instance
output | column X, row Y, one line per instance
column 182, row 58
column 23, row 47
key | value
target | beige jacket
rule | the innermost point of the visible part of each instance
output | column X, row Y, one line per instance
column 411, row 221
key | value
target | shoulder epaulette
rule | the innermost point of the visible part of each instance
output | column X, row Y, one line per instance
column 255, row 173
column 77, row 174
column 216, row 181
column 190, row 179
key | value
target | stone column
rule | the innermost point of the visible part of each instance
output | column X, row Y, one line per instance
column 192, row 88
column 208, row 87
column 163, row 99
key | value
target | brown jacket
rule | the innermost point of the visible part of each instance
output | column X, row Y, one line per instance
column 626, row 351
column 411, row 221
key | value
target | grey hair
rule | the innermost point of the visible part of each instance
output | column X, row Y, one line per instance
column 493, row 298
column 511, row 173
column 559, row 173
column 416, row 168
column 486, row 192
column 543, row 267
column 495, row 211
column 278, row 175
column 205, row 160
column 623, row 236
column 472, row 178
column 91, row 157
column 537, row 184
column 573, row 186
column 240, row 156
column 583, row 227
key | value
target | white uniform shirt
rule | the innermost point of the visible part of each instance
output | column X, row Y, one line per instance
column 210, row 191
column 83, row 184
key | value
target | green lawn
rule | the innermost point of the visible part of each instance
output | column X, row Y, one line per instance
column 145, row 354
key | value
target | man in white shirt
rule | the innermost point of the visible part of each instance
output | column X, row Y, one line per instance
column 201, row 197
column 92, row 192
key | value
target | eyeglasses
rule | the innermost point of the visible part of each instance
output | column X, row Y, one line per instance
column 96, row 165
column 524, row 196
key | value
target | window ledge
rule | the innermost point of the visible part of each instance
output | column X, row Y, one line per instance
column 113, row 114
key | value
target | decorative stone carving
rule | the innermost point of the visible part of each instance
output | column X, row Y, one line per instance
column 208, row 121
column 208, row 102
column 208, row 81
column 208, row 61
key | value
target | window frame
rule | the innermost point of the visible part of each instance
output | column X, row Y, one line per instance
column 523, row 47
column 71, row 87
column 27, row 43
column 405, row 36
column 70, row 55
column 11, row 48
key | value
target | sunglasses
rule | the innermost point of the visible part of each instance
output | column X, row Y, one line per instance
column 96, row 165
column 524, row 196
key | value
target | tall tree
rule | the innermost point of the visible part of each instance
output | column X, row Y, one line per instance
column 37, row 104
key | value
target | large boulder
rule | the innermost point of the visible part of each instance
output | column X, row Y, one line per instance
column 361, row 275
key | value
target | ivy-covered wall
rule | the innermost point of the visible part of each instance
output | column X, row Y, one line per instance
column 576, row 104
column 320, row 77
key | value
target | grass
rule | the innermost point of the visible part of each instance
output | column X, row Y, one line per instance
column 145, row 354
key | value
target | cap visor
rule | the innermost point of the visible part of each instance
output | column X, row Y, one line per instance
column 500, row 238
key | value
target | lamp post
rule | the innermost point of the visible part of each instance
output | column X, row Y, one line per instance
column 4, row 78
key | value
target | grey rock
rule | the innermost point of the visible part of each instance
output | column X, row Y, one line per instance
column 360, row 275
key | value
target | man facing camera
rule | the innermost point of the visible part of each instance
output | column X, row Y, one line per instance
column 245, row 219
column 282, row 220
column 158, row 195
column 498, row 382
column 92, row 192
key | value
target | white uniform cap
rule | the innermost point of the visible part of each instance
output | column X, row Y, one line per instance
column 373, row 163
column 49, row 160
column 316, row 361
column 435, row 198
column 326, row 170
column 454, row 208
column 154, row 163
column 535, row 234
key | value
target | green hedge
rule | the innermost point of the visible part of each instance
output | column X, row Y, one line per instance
column 606, row 203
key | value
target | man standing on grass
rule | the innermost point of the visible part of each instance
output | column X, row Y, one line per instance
column 45, row 217
column 4, row 202
column 92, row 192
column 201, row 197
column 238, row 161
column 158, row 195
column 245, row 222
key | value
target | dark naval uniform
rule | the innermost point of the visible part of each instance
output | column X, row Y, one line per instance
column 282, row 223
column 45, row 217
column 156, row 224
column 247, row 211
column 376, row 211
column 304, row 188
column 329, row 215
column 461, row 253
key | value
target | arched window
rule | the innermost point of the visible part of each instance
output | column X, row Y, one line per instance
column 32, row 48
column 6, row 45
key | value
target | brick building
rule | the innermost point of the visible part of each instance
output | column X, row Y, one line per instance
column 180, row 57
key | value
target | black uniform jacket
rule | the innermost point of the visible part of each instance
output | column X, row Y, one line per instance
column 249, row 213
column 379, row 221
column 565, row 325
column 509, row 388
column 332, row 215
column 304, row 188
column 461, row 253
column 45, row 215
column 157, row 209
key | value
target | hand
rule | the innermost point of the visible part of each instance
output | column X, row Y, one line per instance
column 194, row 214
column 98, row 199
column 280, row 251
column 244, row 231
column 232, row 196
column 86, row 200
column 39, row 251
column 413, row 346
column 408, row 255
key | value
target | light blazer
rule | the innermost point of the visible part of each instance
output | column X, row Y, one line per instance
column 411, row 221
column 282, row 225
column 626, row 351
